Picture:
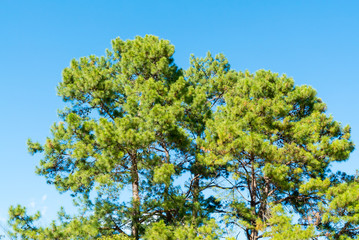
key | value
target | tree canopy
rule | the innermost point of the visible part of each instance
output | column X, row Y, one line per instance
column 151, row 151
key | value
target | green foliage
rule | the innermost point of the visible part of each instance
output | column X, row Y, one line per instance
column 164, row 173
column 161, row 231
column 24, row 226
column 117, row 237
column 203, row 152
column 281, row 227
column 340, row 216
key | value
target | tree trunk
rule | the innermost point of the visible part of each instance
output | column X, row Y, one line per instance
column 195, row 198
column 135, row 199
column 169, row 216
column 254, row 235
column 253, row 195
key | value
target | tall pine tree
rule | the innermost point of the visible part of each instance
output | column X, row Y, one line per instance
column 272, row 144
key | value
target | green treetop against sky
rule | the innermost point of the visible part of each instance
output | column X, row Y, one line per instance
column 314, row 42
column 206, row 152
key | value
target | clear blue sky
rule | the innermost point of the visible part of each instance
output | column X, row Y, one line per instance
column 315, row 42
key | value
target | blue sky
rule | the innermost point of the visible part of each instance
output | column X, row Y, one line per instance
column 315, row 42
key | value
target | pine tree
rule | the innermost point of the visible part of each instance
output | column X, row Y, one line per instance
column 119, row 130
column 203, row 151
column 274, row 144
